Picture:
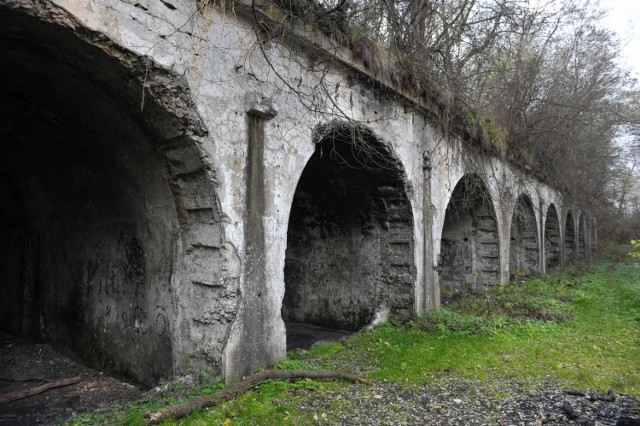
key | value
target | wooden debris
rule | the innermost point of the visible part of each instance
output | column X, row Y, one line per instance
column 28, row 392
column 239, row 388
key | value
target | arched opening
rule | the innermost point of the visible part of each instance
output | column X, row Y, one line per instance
column 552, row 238
column 582, row 237
column 569, row 238
column 524, row 238
column 469, row 248
column 89, row 186
column 350, row 236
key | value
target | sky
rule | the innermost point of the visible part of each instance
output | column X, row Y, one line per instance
column 624, row 17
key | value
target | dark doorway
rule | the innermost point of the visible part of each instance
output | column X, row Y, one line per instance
column 524, row 238
column 470, row 249
column 569, row 238
column 552, row 238
column 87, row 216
column 582, row 237
column 350, row 236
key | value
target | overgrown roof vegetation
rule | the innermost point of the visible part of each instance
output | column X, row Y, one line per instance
column 538, row 82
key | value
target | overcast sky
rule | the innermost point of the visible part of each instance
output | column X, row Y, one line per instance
column 624, row 18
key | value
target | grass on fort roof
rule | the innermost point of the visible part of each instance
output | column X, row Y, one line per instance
column 579, row 327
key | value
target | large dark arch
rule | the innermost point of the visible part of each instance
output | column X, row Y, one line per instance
column 569, row 238
column 97, row 192
column 552, row 238
column 524, row 252
column 469, row 249
column 350, row 236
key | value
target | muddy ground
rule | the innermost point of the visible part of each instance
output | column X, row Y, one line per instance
column 24, row 365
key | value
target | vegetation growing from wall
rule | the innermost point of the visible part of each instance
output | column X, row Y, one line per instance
column 539, row 84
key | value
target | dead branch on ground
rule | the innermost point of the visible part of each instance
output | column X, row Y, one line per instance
column 28, row 392
column 239, row 388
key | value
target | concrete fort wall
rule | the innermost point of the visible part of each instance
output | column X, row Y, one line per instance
column 193, row 190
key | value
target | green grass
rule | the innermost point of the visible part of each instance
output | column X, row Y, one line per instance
column 586, row 337
column 579, row 327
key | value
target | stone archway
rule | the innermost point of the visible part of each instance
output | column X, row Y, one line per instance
column 470, row 248
column 350, row 235
column 569, row 238
column 524, row 238
column 552, row 238
column 110, row 210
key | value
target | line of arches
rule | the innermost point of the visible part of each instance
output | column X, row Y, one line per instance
column 350, row 239
column 538, row 239
column 114, row 233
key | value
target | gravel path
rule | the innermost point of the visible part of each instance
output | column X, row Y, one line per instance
column 460, row 402
column 447, row 400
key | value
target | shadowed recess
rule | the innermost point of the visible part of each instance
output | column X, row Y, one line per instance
column 552, row 238
column 350, row 236
column 569, row 238
column 524, row 238
column 88, row 218
column 469, row 249
column 582, row 237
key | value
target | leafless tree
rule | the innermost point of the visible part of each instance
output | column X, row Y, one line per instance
column 541, row 79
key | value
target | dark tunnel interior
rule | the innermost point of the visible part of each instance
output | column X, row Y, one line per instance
column 569, row 238
column 524, row 250
column 88, row 220
column 350, row 236
column 470, row 248
column 552, row 238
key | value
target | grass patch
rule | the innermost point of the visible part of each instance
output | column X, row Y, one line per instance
column 580, row 327
column 579, row 330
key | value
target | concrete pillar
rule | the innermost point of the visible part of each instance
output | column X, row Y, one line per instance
column 431, row 287
column 256, row 339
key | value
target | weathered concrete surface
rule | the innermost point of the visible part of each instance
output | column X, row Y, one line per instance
column 166, row 209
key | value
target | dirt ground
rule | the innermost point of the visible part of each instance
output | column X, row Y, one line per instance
column 25, row 365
